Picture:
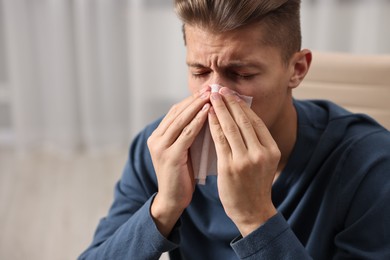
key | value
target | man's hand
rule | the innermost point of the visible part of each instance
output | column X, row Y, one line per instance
column 248, row 158
column 169, row 145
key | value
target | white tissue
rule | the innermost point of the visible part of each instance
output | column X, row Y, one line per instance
column 215, row 87
column 203, row 154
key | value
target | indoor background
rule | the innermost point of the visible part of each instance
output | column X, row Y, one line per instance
column 80, row 78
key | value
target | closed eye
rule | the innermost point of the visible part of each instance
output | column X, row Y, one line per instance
column 200, row 74
column 243, row 76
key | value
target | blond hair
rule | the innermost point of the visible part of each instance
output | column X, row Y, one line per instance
column 280, row 19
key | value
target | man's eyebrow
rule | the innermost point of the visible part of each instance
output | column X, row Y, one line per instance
column 195, row 65
column 233, row 64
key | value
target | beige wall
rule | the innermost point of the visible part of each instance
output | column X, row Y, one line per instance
column 360, row 83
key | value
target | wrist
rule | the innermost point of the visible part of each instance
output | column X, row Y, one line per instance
column 164, row 215
column 248, row 224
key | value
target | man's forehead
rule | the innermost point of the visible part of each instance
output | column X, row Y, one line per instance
column 238, row 48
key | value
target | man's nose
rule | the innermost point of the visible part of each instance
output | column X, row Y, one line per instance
column 219, row 79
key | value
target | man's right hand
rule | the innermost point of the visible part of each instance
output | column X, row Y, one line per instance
column 169, row 147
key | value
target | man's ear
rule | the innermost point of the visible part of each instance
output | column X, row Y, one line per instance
column 300, row 64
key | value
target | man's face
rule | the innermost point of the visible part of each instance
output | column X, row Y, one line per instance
column 238, row 60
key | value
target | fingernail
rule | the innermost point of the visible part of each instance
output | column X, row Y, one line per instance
column 211, row 111
column 226, row 91
column 206, row 107
column 215, row 96
column 205, row 95
column 203, row 90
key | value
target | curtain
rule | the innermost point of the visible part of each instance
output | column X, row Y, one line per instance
column 89, row 74
column 355, row 26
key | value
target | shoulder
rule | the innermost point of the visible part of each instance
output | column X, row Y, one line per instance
column 146, row 132
column 139, row 167
column 364, row 177
column 352, row 143
column 364, row 172
column 368, row 149
column 138, row 150
column 332, row 118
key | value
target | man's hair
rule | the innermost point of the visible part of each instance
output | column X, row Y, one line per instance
column 280, row 19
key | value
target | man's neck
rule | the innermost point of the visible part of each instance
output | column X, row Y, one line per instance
column 285, row 135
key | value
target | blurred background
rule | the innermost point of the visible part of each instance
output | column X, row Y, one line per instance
column 78, row 80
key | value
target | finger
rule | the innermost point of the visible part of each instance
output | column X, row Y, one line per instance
column 263, row 134
column 177, row 109
column 175, row 129
column 189, row 132
column 173, row 112
column 227, row 123
column 248, row 133
column 222, row 146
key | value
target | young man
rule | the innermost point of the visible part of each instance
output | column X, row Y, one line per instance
column 296, row 179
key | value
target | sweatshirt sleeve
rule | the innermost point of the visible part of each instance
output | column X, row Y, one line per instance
column 273, row 240
column 128, row 231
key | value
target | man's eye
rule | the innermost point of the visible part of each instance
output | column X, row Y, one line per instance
column 200, row 74
column 244, row 76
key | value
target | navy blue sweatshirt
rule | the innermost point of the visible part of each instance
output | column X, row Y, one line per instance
column 333, row 201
